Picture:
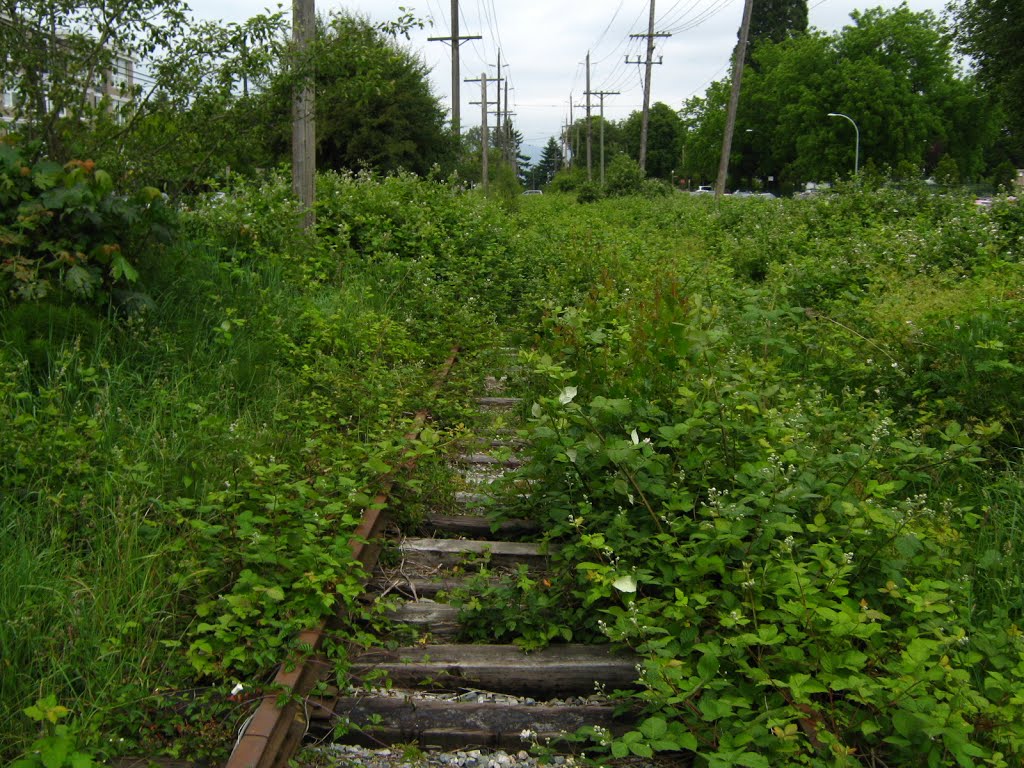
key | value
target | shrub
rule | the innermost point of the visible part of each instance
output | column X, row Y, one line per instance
column 624, row 177
column 63, row 228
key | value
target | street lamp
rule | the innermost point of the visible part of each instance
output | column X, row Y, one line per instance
column 856, row 149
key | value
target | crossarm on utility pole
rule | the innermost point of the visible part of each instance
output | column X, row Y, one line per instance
column 455, row 40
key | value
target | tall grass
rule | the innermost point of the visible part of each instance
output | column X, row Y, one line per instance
column 999, row 546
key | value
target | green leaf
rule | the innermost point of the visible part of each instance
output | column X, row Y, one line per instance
column 81, row 760
column 752, row 760
column 81, row 281
column 906, row 723
column 276, row 594
column 641, row 749
column 47, row 174
column 708, row 665
column 119, row 267
column 619, row 749
column 654, row 727
column 378, row 465
column 104, row 183
column 53, row 751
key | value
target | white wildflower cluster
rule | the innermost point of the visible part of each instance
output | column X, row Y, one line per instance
column 881, row 431
column 848, row 557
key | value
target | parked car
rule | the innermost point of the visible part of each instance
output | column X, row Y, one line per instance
column 534, row 192
column 703, row 189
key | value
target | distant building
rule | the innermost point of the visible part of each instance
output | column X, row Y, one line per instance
column 115, row 84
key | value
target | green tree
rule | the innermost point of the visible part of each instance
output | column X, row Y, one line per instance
column 776, row 20
column 891, row 70
column 624, row 177
column 187, row 116
column 204, row 116
column 664, row 139
column 56, row 53
column 991, row 31
column 703, row 121
column 374, row 106
column 550, row 162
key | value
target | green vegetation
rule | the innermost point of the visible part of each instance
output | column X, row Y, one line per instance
column 892, row 71
column 779, row 444
column 178, row 477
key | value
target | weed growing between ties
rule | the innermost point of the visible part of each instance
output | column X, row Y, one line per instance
column 780, row 455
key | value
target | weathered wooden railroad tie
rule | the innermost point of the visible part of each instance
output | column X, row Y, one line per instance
column 446, row 694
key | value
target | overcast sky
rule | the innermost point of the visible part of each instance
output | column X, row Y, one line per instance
column 545, row 44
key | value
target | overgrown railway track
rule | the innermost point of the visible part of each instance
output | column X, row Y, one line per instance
column 435, row 691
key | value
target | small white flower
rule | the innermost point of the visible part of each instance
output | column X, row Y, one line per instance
column 848, row 557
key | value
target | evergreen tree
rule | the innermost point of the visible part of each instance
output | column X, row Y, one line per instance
column 776, row 20
column 550, row 162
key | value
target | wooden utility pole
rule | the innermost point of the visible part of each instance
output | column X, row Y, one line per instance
column 590, row 130
column 648, row 63
column 601, row 95
column 498, row 134
column 455, row 40
column 734, row 99
column 484, row 141
column 303, row 112
column 512, row 158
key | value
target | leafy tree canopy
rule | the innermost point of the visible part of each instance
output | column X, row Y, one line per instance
column 56, row 52
column 374, row 106
column 664, row 137
column 991, row 31
column 891, row 71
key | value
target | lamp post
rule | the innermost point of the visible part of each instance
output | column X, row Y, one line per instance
column 856, row 149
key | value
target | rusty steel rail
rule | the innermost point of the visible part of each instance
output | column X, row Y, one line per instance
column 275, row 731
